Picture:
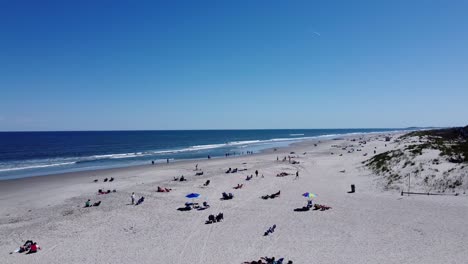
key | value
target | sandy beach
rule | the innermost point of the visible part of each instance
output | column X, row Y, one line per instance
column 372, row 225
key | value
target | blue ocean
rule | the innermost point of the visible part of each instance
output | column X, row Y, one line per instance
column 26, row 154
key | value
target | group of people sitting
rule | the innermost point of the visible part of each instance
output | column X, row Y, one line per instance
column 213, row 219
column 88, row 203
column 270, row 230
column 227, row 196
column 100, row 191
column 162, row 189
column 180, row 179
column 267, row 260
column 239, row 186
column 105, row 180
column 30, row 247
column 189, row 206
column 271, row 196
column 231, row 170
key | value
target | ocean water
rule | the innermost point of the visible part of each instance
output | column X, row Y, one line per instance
column 26, row 154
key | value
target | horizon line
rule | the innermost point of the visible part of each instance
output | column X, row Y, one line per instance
column 211, row 129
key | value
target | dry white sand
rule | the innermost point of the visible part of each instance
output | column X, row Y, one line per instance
column 369, row 226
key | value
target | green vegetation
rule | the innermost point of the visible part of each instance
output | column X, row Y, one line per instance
column 381, row 161
column 451, row 142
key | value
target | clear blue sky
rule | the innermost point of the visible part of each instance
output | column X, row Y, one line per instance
column 105, row 65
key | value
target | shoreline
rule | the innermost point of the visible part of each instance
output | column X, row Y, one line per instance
column 262, row 151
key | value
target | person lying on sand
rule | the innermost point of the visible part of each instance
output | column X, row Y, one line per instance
column 97, row 203
column 33, row 249
column 25, row 247
column 239, row 186
column 140, row 201
column 321, row 207
column 270, row 230
column 106, row 192
column 163, row 189
column 254, row 262
column 271, row 196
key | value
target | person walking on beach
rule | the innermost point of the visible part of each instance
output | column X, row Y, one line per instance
column 133, row 198
column 256, row 173
column 167, row 160
column 297, row 174
column 196, row 167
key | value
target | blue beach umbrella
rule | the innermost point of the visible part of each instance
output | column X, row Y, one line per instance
column 193, row 195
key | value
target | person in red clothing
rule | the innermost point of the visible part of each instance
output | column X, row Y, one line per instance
column 33, row 248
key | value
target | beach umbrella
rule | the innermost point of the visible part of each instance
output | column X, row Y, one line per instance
column 309, row 195
column 193, row 195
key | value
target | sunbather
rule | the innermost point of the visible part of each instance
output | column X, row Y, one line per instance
column 227, row 196
column 275, row 195
column 186, row 208
column 211, row 218
column 302, row 209
column 229, row 170
column 321, row 207
column 111, row 179
column 239, row 186
column 97, row 203
column 163, row 189
column 33, row 249
column 207, row 183
column 219, row 217
column 141, row 200
column 270, row 230
column 26, row 246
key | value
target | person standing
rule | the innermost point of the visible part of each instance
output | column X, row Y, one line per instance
column 256, row 173
column 297, row 174
column 133, row 198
